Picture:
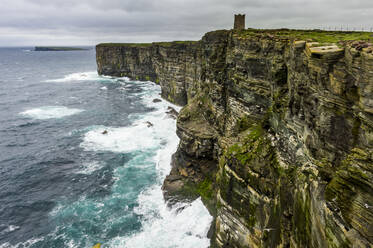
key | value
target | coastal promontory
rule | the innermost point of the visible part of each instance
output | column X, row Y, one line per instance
column 276, row 132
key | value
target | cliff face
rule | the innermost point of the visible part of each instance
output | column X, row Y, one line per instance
column 276, row 135
column 172, row 65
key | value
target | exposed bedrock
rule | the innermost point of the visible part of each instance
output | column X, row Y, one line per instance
column 170, row 64
column 276, row 135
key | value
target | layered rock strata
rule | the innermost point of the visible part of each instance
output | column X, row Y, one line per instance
column 276, row 134
column 169, row 64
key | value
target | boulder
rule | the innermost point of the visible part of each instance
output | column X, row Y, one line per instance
column 172, row 112
column 149, row 124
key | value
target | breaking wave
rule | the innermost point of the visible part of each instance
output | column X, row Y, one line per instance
column 50, row 112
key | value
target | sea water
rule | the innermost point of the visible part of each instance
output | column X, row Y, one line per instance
column 64, row 182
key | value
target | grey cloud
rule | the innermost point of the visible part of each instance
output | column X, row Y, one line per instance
column 69, row 22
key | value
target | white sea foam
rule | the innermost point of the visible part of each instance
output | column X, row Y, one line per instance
column 49, row 112
column 146, row 132
column 85, row 76
column 9, row 229
column 123, row 139
column 25, row 244
column 80, row 76
column 164, row 227
column 89, row 167
column 184, row 229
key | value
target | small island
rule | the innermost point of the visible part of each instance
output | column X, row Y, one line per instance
column 47, row 48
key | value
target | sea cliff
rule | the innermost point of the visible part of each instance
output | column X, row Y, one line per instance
column 276, row 132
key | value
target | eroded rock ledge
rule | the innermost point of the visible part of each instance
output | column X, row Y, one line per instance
column 276, row 135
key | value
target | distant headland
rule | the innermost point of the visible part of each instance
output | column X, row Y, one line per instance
column 49, row 48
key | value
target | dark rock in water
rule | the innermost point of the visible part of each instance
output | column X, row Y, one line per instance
column 105, row 132
column 157, row 100
column 149, row 124
column 172, row 112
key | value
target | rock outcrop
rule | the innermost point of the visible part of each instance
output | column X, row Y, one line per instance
column 170, row 64
column 276, row 134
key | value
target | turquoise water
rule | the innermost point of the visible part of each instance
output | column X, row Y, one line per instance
column 63, row 182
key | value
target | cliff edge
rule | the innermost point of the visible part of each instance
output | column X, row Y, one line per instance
column 276, row 134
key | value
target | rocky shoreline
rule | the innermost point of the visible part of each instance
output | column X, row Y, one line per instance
column 276, row 132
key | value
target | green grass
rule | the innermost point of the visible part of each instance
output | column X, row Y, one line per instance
column 205, row 189
column 124, row 44
column 167, row 44
column 308, row 35
column 175, row 43
column 321, row 36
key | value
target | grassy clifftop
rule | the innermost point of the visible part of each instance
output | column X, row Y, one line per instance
column 320, row 36
column 308, row 35
column 145, row 44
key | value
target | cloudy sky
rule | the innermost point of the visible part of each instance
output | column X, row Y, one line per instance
column 88, row 22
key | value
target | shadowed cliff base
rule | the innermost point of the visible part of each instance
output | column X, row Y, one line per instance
column 276, row 134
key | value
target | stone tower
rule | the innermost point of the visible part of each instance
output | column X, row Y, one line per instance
column 239, row 22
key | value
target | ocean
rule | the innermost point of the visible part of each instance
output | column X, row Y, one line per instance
column 63, row 181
